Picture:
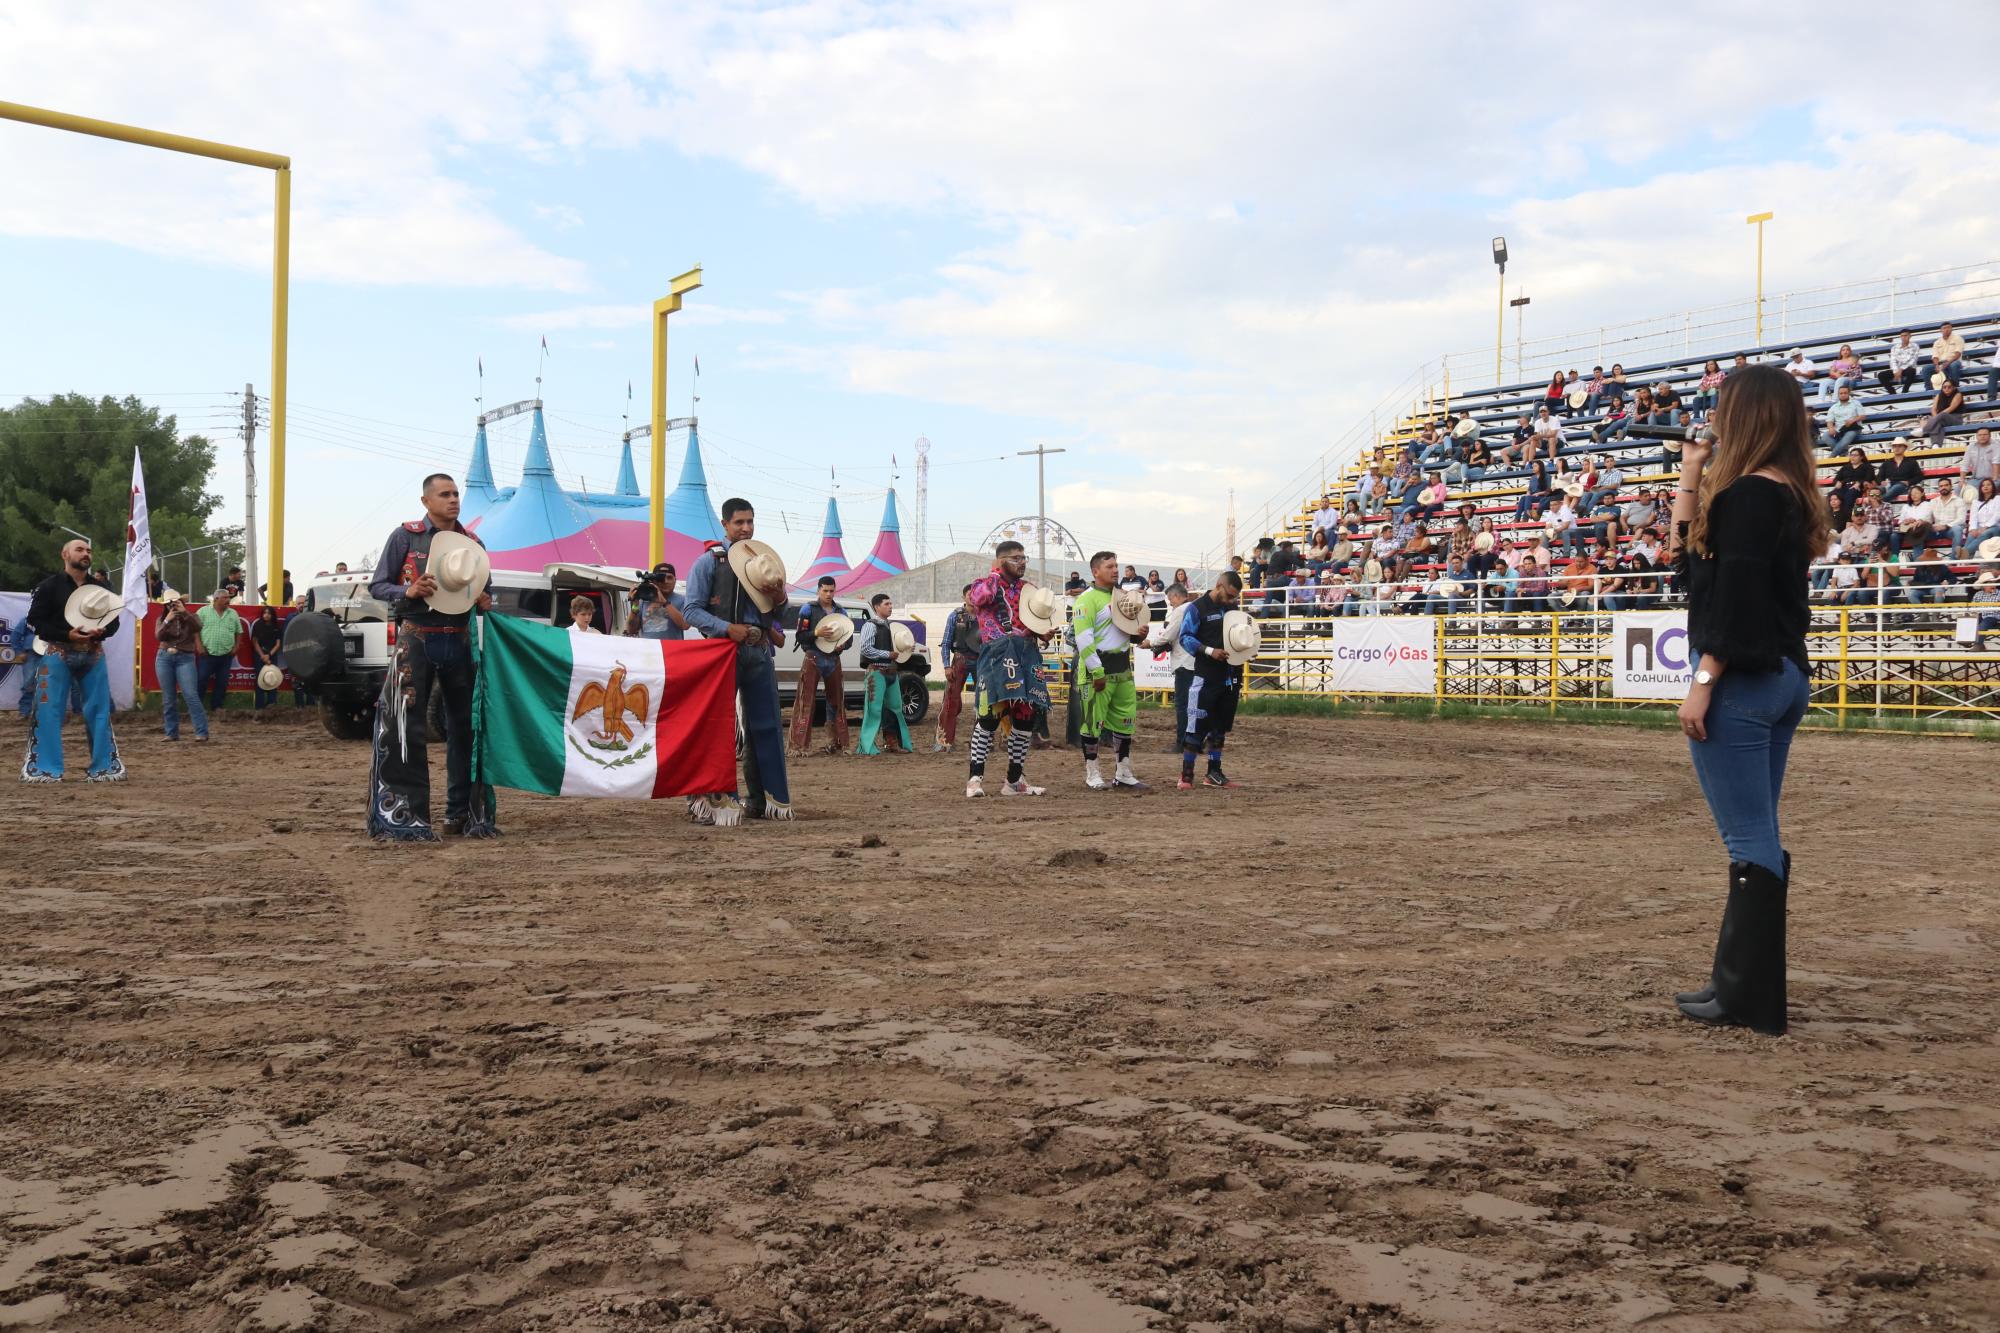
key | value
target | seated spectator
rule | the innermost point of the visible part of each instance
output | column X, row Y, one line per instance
column 1981, row 460
column 1615, row 422
column 1281, row 565
column 1844, row 579
column 1845, row 371
column 1448, row 593
column 1983, row 523
column 1519, row 448
column 1594, row 389
column 1319, row 555
column 1560, row 522
column 1822, row 568
column 1387, row 550
column 1857, row 538
column 1705, row 391
column 1878, row 511
column 1372, row 491
column 1604, row 485
column 1419, row 547
column 1741, row 362
column 1950, row 513
column 1948, row 353
column 1913, row 523
column 1836, row 512
column 1131, row 581
column 1459, row 541
column 1947, row 410
column 1616, row 383
column 1876, row 589
column 1558, row 389
column 1843, row 421
column 1898, row 472
column 1666, row 406
column 1332, row 594
column 1497, row 588
column 1642, row 511
column 1599, row 517
column 1478, row 458
column 1930, row 577
column 1404, row 474
column 1800, row 367
column 1993, row 373
column 1548, row 432
column 1642, row 413
column 1531, row 588
column 1364, row 593
column 1323, row 517
column 1537, row 494
column 1426, row 500
column 1432, row 447
column 1901, row 372
column 1853, row 476
column 1485, row 555
column 1609, row 590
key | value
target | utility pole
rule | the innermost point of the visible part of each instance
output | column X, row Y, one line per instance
column 923, row 502
column 250, row 499
column 1518, row 303
column 1040, row 454
column 1229, row 530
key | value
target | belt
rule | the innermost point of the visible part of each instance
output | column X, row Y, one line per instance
column 1116, row 663
column 432, row 629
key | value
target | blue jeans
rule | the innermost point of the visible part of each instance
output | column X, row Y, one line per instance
column 177, row 679
column 29, row 666
column 1741, row 766
column 213, row 675
column 52, row 683
column 763, row 730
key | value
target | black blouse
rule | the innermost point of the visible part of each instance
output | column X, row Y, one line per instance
column 1747, row 597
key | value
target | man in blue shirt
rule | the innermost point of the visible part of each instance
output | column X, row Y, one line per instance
column 1217, row 684
column 658, row 612
column 722, row 606
column 884, row 695
column 961, row 648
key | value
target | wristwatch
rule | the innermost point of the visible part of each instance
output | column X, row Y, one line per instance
column 1704, row 677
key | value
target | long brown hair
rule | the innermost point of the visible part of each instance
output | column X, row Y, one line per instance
column 1761, row 424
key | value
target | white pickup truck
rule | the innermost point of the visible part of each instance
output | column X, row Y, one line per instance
column 347, row 699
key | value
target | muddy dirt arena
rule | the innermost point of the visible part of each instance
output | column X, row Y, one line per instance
column 1308, row 1055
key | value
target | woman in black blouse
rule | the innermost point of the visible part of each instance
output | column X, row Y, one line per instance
column 267, row 639
column 1747, row 528
column 1852, row 478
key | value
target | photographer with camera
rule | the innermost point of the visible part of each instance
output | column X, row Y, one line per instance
column 1746, row 527
column 658, row 612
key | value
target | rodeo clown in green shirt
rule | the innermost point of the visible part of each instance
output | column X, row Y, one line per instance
column 1104, row 701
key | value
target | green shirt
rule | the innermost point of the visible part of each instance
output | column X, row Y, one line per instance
column 1090, row 617
column 219, row 630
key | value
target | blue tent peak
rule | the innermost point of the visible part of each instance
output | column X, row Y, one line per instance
column 832, row 528
column 889, row 523
column 538, row 461
column 692, row 472
column 628, row 480
column 480, row 473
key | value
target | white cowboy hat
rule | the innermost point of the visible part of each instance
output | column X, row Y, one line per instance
column 1989, row 549
column 1483, row 542
column 170, row 595
column 1573, row 489
column 832, row 633
column 459, row 566
column 1241, row 637
column 1465, row 428
column 760, row 570
column 1937, row 379
column 270, row 677
column 1450, row 588
column 1038, row 609
column 1567, row 597
column 1578, row 397
column 1129, row 611
column 91, row 607
column 902, row 643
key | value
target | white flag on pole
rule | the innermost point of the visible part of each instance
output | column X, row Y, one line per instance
column 138, row 546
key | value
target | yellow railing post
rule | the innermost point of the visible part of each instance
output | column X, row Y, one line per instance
column 1437, row 639
column 1555, row 656
column 1840, row 695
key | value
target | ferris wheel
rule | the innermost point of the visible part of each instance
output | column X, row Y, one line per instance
column 1032, row 531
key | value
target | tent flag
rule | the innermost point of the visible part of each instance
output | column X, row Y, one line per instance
column 138, row 544
column 570, row 714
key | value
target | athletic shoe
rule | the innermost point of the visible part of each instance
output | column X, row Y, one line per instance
column 1217, row 778
column 1093, row 776
column 974, row 788
column 1020, row 788
column 1185, row 784
column 1125, row 777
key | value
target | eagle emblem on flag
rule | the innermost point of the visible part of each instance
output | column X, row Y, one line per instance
column 613, row 700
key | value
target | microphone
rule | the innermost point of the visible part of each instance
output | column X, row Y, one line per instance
column 1676, row 434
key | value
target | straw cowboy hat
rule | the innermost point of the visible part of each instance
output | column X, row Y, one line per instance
column 1567, row 597
column 760, row 570
column 1241, row 637
column 1466, row 428
column 460, row 568
column 1483, row 542
column 1573, row 489
column 1937, row 379
column 1038, row 609
column 1989, row 549
column 168, row 596
column 1578, row 397
column 270, row 677
column 1450, row 588
column 1128, row 611
column 833, row 633
column 91, row 607
column 902, row 643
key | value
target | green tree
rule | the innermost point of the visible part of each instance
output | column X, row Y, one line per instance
column 67, row 463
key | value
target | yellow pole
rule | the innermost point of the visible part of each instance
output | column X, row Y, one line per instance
column 1843, row 668
column 281, row 295
column 656, row 535
column 1555, row 656
column 1758, row 220
column 280, row 274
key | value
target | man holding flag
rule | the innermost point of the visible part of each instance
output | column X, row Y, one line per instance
column 737, row 592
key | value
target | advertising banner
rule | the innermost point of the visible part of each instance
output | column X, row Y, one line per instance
column 1649, row 655
column 1385, row 655
column 15, row 661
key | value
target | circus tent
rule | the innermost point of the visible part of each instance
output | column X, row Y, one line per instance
column 885, row 559
column 832, row 559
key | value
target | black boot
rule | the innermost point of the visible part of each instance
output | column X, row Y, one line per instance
column 1750, row 956
column 1707, row 993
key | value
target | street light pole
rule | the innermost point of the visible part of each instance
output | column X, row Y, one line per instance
column 1758, row 220
column 1040, row 454
column 1500, row 313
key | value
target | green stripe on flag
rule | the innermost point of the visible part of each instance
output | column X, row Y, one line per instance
column 524, row 672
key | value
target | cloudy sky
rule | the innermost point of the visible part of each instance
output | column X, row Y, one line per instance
column 1188, row 242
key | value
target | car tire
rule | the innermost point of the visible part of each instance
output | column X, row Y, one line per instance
column 346, row 724
column 916, row 698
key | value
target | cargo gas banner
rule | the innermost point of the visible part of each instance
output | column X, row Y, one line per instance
column 1649, row 655
column 1385, row 655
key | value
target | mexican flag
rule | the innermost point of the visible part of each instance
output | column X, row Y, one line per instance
column 597, row 715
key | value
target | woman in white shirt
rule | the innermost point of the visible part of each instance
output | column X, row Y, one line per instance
column 1984, row 522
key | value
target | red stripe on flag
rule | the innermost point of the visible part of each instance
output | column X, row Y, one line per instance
column 696, row 736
